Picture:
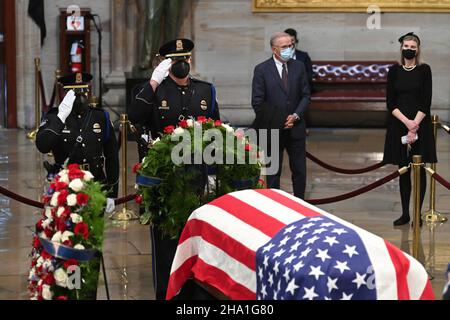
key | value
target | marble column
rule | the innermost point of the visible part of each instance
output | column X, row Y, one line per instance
column 28, row 48
column 125, row 25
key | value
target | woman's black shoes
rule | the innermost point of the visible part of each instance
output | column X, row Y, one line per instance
column 401, row 221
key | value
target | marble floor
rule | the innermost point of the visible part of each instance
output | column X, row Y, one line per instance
column 127, row 246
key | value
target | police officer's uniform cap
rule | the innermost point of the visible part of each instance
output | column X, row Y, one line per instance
column 79, row 80
column 177, row 49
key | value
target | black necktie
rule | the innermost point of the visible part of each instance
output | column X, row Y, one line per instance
column 284, row 77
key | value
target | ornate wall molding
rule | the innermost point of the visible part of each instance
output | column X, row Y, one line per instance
column 350, row 5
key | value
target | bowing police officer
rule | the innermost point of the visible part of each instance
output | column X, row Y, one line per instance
column 76, row 132
column 171, row 94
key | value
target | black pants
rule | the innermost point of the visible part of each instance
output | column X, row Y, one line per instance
column 163, row 252
column 297, row 162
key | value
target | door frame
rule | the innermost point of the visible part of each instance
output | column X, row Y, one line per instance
column 9, row 20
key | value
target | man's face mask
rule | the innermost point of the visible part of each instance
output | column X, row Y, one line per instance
column 286, row 53
column 181, row 69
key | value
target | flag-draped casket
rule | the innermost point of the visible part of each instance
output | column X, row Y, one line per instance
column 268, row 244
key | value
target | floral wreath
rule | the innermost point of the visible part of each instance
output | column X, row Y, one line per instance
column 65, row 238
column 172, row 191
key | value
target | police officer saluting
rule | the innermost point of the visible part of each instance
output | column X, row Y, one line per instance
column 172, row 95
column 78, row 133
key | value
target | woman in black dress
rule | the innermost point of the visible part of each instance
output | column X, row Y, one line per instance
column 408, row 98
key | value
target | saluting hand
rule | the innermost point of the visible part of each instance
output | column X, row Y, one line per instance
column 65, row 107
column 161, row 71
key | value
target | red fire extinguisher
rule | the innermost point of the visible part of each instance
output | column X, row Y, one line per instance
column 76, row 56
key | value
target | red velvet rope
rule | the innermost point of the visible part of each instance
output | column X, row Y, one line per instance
column 357, row 192
column 341, row 170
column 441, row 180
column 40, row 205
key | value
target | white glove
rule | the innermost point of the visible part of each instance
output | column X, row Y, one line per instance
column 65, row 108
column 162, row 71
column 110, row 206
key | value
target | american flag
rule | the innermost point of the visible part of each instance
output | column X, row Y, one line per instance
column 268, row 244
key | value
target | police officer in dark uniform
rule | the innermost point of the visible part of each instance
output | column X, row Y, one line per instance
column 170, row 96
column 78, row 133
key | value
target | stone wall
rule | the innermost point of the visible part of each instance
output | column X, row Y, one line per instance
column 230, row 41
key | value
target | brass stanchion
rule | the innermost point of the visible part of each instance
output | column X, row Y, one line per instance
column 416, row 166
column 93, row 102
column 58, row 75
column 125, row 214
column 432, row 215
column 32, row 134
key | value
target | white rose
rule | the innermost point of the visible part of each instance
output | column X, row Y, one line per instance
column 79, row 247
column 42, row 235
column 39, row 262
column 66, row 235
column 64, row 178
column 63, row 172
column 60, row 278
column 190, row 123
column 87, row 176
column 76, row 185
column 48, row 265
column 178, row 131
column 47, row 294
column 72, row 200
column 54, row 201
column 31, row 274
column 60, row 212
column 228, row 128
column 48, row 213
column 156, row 141
column 76, row 218
column 57, row 237
column 47, row 223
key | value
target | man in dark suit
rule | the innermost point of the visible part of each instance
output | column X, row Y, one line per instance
column 302, row 56
column 280, row 89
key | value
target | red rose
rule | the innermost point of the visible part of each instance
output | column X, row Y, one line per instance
column 73, row 166
column 46, row 199
column 36, row 243
column 39, row 227
column 201, row 119
column 52, row 186
column 70, row 262
column 49, row 279
column 62, row 197
column 82, row 199
column 62, row 298
column 45, row 255
column 82, row 229
column 76, row 174
column 60, row 224
column 217, row 123
column 183, row 124
column 48, row 233
column 68, row 243
column 137, row 167
column 61, row 186
column 139, row 199
column 248, row 147
column 169, row 129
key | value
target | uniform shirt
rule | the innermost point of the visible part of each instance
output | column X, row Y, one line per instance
column 171, row 103
column 98, row 151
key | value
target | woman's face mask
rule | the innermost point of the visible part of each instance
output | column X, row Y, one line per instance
column 181, row 69
column 409, row 54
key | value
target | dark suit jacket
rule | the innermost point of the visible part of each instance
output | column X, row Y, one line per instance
column 271, row 100
column 303, row 56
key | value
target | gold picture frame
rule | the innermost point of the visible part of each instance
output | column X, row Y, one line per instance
column 350, row 5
